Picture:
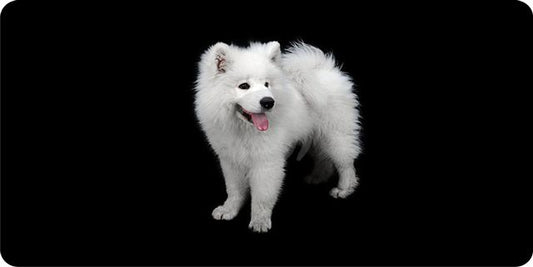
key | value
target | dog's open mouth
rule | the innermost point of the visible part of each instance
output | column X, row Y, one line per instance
column 259, row 120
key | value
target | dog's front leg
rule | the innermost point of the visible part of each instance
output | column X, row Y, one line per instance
column 265, row 185
column 236, row 188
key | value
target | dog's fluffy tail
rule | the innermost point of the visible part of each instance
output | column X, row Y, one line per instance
column 303, row 57
column 316, row 74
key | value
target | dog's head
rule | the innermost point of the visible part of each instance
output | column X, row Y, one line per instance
column 248, row 79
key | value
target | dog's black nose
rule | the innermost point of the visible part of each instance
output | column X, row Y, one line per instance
column 267, row 102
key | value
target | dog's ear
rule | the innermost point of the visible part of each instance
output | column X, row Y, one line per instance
column 274, row 51
column 220, row 52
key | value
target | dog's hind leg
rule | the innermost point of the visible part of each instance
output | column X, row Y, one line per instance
column 348, row 181
column 342, row 150
column 236, row 188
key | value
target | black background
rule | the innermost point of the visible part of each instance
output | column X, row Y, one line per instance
column 103, row 162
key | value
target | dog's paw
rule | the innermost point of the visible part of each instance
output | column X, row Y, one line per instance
column 341, row 193
column 224, row 213
column 260, row 225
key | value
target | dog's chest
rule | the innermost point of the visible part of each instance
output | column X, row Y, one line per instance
column 246, row 147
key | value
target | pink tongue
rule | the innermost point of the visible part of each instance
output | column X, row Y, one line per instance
column 260, row 121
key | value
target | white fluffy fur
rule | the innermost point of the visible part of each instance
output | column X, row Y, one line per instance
column 314, row 104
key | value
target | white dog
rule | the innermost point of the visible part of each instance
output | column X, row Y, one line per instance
column 255, row 104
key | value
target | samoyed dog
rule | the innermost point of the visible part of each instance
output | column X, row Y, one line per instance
column 255, row 104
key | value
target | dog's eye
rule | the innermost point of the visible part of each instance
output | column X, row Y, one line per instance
column 267, row 84
column 244, row 86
